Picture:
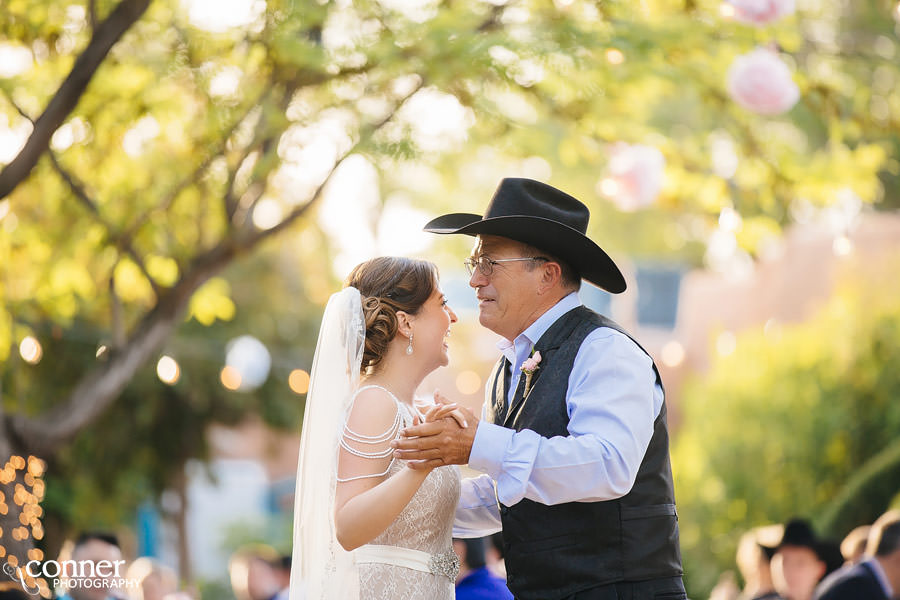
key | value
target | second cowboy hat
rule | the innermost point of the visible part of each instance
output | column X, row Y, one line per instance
column 544, row 217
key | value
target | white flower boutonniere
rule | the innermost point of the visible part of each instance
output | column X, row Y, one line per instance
column 529, row 367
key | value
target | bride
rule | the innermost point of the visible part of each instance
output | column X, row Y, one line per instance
column 366, row 526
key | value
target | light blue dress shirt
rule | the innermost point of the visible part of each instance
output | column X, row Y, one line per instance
column 612, row 401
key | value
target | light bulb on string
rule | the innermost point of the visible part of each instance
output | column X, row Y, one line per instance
column 30, row 350
column 167, row 370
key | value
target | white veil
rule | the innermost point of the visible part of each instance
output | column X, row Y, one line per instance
column 321, row 569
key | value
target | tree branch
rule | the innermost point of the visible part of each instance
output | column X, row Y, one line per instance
column 171, row 196
column 100, row 387
column 295, row 214
column 69, row 93
column 121, row 242
column 92, row 14
column 117, row 326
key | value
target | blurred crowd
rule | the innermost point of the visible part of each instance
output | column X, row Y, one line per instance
column 775, row 562
column 256, row 572
column 790, row 562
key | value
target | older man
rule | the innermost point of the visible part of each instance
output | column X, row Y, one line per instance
column 574, row 443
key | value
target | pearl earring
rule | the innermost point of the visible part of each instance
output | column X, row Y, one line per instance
column 409, row 347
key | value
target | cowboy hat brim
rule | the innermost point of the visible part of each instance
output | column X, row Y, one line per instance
column 568, row 244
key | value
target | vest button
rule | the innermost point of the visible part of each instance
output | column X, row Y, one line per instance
column 503, row 510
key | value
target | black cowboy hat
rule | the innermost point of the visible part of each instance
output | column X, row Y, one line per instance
column 544, row 217
column 799, row 532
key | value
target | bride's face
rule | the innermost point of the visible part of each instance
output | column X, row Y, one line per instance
column 431, row 328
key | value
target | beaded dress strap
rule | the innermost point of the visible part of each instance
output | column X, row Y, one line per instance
column 348, row 435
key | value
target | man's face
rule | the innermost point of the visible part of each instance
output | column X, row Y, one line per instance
column 96, row 551
column 507, row 298
column 262, row 582
column 796, row 570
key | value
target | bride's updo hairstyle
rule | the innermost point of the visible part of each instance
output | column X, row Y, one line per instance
column 389, row 284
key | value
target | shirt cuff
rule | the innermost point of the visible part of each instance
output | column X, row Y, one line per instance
column 489, row 448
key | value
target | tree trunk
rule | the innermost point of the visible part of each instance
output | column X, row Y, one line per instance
column 185, row 568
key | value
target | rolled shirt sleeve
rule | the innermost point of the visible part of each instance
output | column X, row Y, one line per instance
column 612, row 402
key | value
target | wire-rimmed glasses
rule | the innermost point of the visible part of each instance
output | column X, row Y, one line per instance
column 485, row 265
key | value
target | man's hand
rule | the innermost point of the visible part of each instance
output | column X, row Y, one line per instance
column 438, row 443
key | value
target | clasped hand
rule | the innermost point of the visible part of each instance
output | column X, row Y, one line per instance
column 444, row 438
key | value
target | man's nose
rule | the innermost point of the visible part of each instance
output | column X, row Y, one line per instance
column 478, row 279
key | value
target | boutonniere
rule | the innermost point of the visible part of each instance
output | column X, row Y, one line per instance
column 529, row 367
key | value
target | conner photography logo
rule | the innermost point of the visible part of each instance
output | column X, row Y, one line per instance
column 70, row 574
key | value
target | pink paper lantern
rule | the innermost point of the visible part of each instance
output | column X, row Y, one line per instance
column 761, row 12
column 761, row 82
column 634, row 176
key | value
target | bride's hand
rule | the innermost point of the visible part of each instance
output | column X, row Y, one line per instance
column 441, row 410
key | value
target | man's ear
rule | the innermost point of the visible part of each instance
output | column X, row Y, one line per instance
column 551, row 275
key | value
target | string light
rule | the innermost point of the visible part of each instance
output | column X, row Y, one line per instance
column 30, row 350
column 27, row 493
column 230, row 378
column 35, row 466
column 298, row 381
column 167, row 370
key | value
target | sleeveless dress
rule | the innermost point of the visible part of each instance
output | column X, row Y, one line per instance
column 425, row 525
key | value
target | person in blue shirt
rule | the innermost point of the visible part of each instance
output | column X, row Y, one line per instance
column 475, row 581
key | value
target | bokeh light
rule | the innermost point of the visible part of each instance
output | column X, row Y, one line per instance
column 842, row 246
column 250, row 359
column 30, row 350
column 468, row 382
column 614, row 56
column 726, row 343
column 15, row 59
column 298, row 380
column 673, row 354
column 230, row 378
column 167, row 370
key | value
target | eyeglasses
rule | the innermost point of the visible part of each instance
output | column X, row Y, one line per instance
column 486, row 265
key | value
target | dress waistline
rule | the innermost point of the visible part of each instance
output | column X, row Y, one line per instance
column 446, row 563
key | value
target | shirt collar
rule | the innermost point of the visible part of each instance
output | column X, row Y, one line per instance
column 880, row 575
column 540, row 326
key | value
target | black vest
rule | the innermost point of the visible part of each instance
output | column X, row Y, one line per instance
column 555, row 551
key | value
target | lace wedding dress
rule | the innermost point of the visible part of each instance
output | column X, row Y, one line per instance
column 413, row 558
column 425, row 525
